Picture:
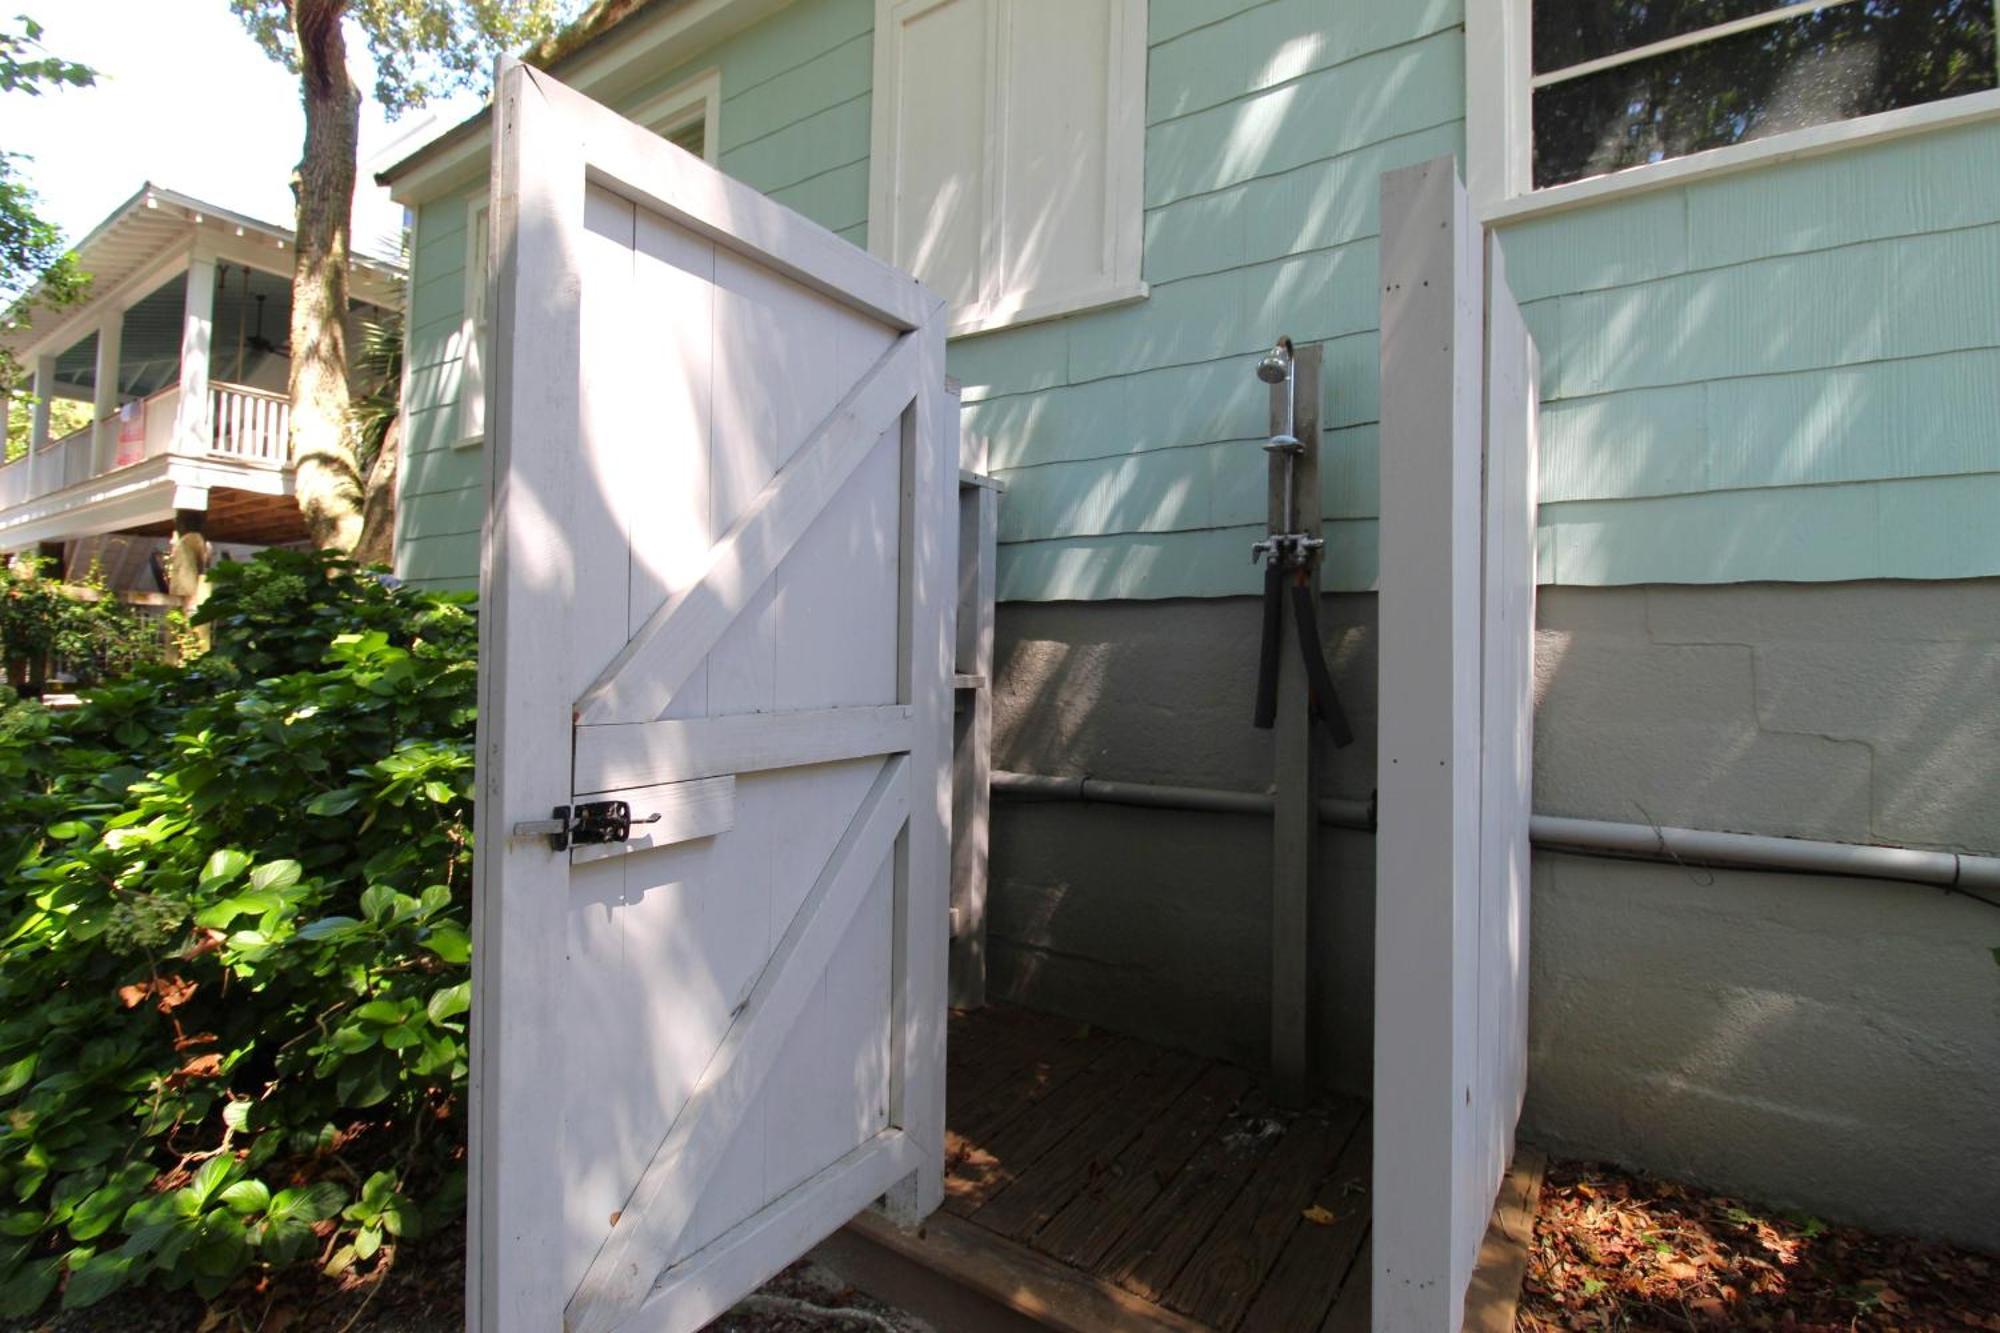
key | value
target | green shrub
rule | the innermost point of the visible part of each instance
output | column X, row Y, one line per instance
column 93, row 636
column 233, row 948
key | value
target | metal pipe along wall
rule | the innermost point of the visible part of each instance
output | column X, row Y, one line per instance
column 1590, row 837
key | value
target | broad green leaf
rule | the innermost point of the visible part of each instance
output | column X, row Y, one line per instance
column 336, row 802
column 380, row 1012
column 450, row 1002
column 69, row 828
column 98, row 1277
column 23, row 1293
column 15, row 1076
column 366, row 1242
column 275, row 875
column 246, row 1196
column 236, row 1115
column 224, row 866
column 327, row 927
column 211, row 1176
column 377, row 901
column 450, row 944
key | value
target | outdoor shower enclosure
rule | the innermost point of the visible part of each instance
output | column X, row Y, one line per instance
column 713, row 1033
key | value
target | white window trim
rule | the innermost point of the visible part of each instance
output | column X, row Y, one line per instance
column 1125, row 154
column 1499, row 140
column 471, row 361
column 698, row 99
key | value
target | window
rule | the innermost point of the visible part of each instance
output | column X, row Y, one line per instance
column 1007, row 159
column 686, row 115
column 1568, row 91
column 473, row 336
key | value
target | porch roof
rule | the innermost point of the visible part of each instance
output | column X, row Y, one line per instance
column 140, row 233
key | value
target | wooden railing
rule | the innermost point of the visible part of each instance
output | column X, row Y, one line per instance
column 245, row 423
column 249, row 423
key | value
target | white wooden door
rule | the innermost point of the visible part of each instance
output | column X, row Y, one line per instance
column 719, row 553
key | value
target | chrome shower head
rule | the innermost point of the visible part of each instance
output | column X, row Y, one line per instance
column 1276, row 367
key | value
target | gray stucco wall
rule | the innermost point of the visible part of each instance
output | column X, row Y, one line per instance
column 1822, row 1043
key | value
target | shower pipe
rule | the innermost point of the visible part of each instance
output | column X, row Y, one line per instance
column 1589, row 837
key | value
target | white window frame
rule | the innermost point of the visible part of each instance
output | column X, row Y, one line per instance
column 698, row 99
column 472, row 331
column 1499, row 130
column 1124, row 186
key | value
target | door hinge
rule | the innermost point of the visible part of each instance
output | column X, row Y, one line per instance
column 588, row 824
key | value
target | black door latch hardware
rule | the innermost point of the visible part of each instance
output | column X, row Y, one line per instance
column 592, row 823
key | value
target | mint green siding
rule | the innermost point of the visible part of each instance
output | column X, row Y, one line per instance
column 1128, row 438
column 793, row 122
column 1791, row 373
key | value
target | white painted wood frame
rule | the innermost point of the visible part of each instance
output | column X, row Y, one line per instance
column 1455, row 745
column 695, row 101
column 716, row 584
column 959, row 86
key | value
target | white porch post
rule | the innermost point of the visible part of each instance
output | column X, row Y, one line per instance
column 192, row 428
column 104, row 399
column 38, row 436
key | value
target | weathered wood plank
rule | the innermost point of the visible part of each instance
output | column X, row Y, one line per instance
column 1151, row 1255
column 1022, row 1208
column 1044, row 1070
column 1032, row 1284
column 990, row 1165
column 1222, row 1279
column 1115, row 1201
column 1305, row 1282
column 1350, row 1313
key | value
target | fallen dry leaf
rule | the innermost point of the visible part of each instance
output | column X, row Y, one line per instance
column 1319, row 1217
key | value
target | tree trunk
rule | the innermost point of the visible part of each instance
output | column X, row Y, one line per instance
column 378, row 507
column 328, row 481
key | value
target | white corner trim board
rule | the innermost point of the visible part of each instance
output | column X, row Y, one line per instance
column 1499, row 126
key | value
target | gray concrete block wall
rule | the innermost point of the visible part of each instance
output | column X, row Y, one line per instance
column 1827, row 1044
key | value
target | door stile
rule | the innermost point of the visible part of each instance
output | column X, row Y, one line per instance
column 928, row 552
column 527, row 577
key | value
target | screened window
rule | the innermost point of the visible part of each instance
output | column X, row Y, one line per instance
column 1621, row 83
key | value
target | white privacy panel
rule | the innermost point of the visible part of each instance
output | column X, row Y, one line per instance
column 720, row 545
column 1455, row 746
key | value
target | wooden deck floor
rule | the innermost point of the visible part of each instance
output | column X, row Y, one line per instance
column 1165, row 1174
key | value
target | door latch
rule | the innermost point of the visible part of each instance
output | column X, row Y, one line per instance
column 590, row 824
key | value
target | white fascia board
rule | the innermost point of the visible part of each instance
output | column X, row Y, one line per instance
column 617, row 65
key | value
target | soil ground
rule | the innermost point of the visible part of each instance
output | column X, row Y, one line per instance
column 1616, row 1250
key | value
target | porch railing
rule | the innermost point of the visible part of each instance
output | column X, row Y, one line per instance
column 249, row 423
column 244, row 423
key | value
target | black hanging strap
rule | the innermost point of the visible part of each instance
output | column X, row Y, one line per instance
column 1317, row 677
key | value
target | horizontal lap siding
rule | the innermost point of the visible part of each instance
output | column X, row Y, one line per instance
column 1792, row 373
column 442, row 490
column 1128, row 438
column 794, row 123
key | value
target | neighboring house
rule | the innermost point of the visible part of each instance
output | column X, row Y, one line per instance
column 178, row 360
column 1761, row 260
